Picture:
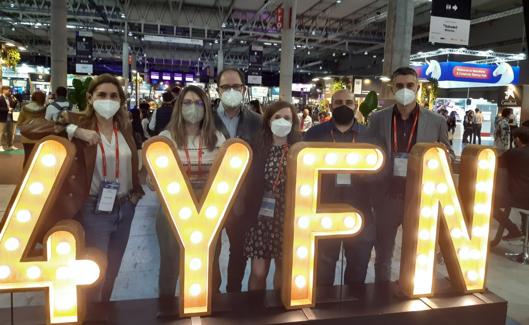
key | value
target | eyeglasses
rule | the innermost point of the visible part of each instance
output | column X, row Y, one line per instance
column 191, row 102
column 234, row 87
column 348, row 102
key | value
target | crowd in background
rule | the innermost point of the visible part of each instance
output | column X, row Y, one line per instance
column 108, row 136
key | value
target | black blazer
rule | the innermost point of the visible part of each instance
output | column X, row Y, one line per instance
column 4, row 108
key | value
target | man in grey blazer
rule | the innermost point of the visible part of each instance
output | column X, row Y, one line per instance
column 397, row 129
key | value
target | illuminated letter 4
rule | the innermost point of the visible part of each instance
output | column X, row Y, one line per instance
column 59, row 271
column 464, row 230
column 196, row 224
column 305, row 221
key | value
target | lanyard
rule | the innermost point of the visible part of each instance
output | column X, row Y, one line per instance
column 275, row 187
column 354, row 134
column 412, row 133
column 104, row 157
column 186, row 151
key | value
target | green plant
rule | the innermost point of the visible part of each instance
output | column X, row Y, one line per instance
column 369, row 104
column 337, row 85
column 429, row 93
column 77, row 96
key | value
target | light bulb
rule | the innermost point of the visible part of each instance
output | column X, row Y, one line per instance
column 422, row 259
column 456, row 233
column 371, row 159
column 222, row 188
column 429, row 188
column 448, row 210
column 23, row 216
column 464, row 253
column 12, row 244
column 36, row 188
column 331, row 159
column 302, row 252
column 235, row 162
column 185, row 213
column 63, row 273
column 86, row 271
column 475, row 254
column 484, row 164
column 65, row 301
column 5, row 272
column 442, row 188
column 196, row 237
column 480, row 208
column 477, row 232
column 173, row 188
column 472, row 275
column 482, row 186
column 352, row 158
column 63, row 248
column 33, row 272
column 49, row 160
column 195, row 289
column 424, row 235
column 300, row 281
column 349, row 222
column 303, row 222
column 433, row 163
column 426, row 212
column 211, row 212
column 162, row 161
column 195, row 264
column 305, row 190
column 309, row 159
column 326, row 222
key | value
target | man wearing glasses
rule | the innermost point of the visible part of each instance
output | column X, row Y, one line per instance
column 235, row 120
column 344, row 188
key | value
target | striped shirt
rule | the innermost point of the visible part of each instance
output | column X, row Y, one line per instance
column 197, row 172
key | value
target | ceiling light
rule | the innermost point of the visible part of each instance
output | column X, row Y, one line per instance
column 338, row 1
column 344, row 54
column 385, row 79
column 21, row 48
column 10, row 44
column 333, row 54
column 366, row 53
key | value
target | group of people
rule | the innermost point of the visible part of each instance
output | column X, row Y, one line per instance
column 107, row 160
column 472, row 123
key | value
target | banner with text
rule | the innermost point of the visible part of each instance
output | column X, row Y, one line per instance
column 450, row 21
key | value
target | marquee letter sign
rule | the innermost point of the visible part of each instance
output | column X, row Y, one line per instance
column 464, row 230
column 196, row 224
column 306, row 220
column 58, row 270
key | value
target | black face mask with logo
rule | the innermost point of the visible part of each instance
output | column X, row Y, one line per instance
column 343, row 115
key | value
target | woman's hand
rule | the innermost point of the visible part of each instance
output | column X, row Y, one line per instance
column 89, row 136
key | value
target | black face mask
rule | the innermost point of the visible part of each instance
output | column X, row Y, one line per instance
column 343, row 114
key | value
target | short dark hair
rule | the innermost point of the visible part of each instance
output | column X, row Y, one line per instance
column 176, row 90
column 506, row 112
column 477, row 110
column 521, row 133
column 167, row 97
column 61, row 91
column 239, row 72
column 5, row 88
column 404, row 71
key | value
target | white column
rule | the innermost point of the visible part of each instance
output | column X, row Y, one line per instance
column 288, row 36
column 59, row 44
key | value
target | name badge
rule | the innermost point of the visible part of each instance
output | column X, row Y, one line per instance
column 268, row 205
column 400, row 165
column 107, row 196
column 343, row 179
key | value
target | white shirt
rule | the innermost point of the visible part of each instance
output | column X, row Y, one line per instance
column 125, row 165
column 145, row 126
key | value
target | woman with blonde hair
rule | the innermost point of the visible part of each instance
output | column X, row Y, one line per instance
column 106, row 160
column 192, row 130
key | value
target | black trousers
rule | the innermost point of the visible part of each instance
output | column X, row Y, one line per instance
column 477, row 133
column 467, row 134
column 236, row 261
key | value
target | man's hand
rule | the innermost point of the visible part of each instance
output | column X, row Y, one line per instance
column 89, row 136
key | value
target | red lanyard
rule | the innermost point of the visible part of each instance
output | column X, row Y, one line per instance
column 102, row 147
column 275, row 187
column 186, row 151
column 412, row 133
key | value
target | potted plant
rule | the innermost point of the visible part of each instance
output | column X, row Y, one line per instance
column 77, row 96
column 369, row 105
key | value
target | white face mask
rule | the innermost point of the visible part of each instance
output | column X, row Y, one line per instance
column 107, row 108
column 281, row 127
column 231, row 98
column 405, row 96
column 192, row 113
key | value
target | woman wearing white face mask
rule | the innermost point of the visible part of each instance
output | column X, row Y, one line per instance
column 106, row 160
column 263, row 241
column 192, row 129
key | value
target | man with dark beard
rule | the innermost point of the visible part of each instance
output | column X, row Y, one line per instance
column 344, row 188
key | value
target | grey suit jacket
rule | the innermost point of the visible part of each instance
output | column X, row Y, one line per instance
column 431, row 128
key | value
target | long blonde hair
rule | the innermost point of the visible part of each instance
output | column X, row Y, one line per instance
column 122, row 116
column 208, row 131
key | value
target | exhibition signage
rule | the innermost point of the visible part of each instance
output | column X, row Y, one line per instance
column 436, row 214
column 469, row 75
column 450, row 21
column 83, row 52
column 255, row 65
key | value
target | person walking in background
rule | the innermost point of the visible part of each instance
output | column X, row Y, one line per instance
column 451, row 124
column 468, row 122
column 235, row 120
column 502, row 133
column 478, row 122
column 264, row 240
column 35, row 109
column 106, row 160
column 397, row 129
column 7, row 104
column 344, row 188
column 193, row 132
column 60, row 104
column 160, row 118
column 255, row 106
column 305, row 120
column 144, row 111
